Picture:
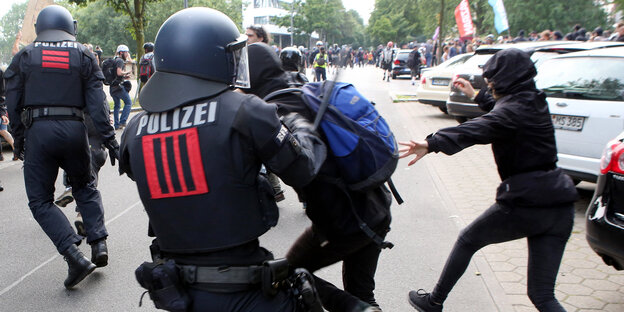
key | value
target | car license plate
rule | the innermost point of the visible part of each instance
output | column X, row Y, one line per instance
column 566, row 122
column 440, row 82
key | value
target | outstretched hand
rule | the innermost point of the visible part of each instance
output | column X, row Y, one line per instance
column 420, row 149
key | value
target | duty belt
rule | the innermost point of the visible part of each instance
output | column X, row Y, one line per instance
column 60, row 112
column 268, row 276
column 221, row 275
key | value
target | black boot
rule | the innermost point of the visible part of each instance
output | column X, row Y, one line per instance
column 79, row 266
column 99, row 253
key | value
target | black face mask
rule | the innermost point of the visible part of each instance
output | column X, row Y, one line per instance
column 510, row 71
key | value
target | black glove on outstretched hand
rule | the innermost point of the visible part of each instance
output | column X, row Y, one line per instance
column 113, row 150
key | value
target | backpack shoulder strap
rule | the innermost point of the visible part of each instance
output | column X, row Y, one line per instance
column 277, row 93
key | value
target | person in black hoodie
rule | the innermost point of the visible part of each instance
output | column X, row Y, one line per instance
column 334, row 235
column 535, row 199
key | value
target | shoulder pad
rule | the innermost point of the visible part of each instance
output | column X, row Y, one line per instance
column 13, row 68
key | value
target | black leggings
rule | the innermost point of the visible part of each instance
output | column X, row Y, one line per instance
column 547, row 231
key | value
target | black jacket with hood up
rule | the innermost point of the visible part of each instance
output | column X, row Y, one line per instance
column 520, row 129
column 328, row 205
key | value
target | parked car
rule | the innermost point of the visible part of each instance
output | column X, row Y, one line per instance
column 585, row 94
column 435, row 83
column 605, row 215
column 542, row 54
column 458, row 104
column 399, row 64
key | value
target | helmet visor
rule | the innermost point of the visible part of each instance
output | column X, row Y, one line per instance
column 241, row 62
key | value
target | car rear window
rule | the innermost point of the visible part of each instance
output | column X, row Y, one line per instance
column 402, row 56
column 592, row 78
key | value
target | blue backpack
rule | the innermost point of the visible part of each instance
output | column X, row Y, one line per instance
column 359, row 138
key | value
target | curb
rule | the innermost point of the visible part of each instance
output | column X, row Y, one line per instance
column 396, row 98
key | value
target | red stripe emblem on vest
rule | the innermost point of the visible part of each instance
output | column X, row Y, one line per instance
column 173, row 164
column 55, row 59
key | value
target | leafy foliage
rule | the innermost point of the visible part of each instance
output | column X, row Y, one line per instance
column 406, row 20
column 328, row 18
column 10, row 24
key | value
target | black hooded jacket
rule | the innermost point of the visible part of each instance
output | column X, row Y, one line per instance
column 328, row 205
column 520, row 129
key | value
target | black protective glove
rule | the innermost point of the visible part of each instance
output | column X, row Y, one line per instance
column 18, row 148
column 296, row 123
column 113, row 150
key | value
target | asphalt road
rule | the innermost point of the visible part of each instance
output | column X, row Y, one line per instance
column 423, row 231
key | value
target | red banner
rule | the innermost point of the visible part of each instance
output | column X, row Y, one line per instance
column 464, row 19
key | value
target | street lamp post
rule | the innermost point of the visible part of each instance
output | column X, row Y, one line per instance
column 185, row 4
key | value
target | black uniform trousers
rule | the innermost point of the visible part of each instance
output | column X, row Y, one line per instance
column 51, row 144
column 245, row 301
column 359, row 256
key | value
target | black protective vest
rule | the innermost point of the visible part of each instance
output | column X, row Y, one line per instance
column 197, row 170
column 54, row 74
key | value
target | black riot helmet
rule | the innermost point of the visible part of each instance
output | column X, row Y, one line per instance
column 148, row 47
column 198, row 53
column 291, row 59
column 55, row 23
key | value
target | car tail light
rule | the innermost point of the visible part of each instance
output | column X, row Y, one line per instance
column 613, row 157
column 423, row 81
column 397, row 62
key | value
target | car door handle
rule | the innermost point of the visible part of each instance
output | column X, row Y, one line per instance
column 561, row 104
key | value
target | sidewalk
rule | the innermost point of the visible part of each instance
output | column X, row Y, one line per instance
column 469, row 178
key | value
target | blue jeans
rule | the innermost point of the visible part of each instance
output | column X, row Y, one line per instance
column 321, row 73
column 117, row 95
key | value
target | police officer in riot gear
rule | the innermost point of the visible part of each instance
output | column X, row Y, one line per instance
column 195, row 154
column 49, row 84
column 292, row 64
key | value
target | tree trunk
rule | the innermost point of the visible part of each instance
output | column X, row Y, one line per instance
column 440, row 33
column 139, row 18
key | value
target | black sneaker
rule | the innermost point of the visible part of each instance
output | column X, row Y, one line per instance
column 65, row 198
column 80, row 228
column 420, row 300
column 279, row 196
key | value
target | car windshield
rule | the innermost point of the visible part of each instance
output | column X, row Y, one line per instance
column 540, row 57
column 456, row 60
column 592, row 78
column 477, row 61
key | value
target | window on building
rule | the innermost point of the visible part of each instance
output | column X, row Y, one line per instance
column 266, row 4
column 262, row 20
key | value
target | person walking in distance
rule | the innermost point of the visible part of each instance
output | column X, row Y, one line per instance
column 197, row 171
column 535, row 198
column 119, row 87
column 387, row 55
column 320, row 64
column 50, row 133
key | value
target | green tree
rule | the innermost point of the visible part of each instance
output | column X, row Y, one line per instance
column 10, row 24
column 554, row 15
column 135, row 11
column 328, row 18
column 100, row 24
